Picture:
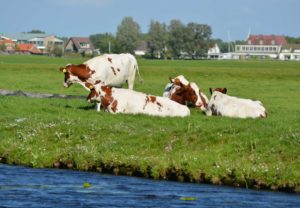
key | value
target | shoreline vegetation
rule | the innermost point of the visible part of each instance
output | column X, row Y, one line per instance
column 69, row 134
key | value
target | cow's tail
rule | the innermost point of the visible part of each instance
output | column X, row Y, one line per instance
column 136, row 67
column 138, row 72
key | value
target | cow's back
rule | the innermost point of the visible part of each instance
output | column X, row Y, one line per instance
column 230, row 106
column 134, row 102
column 111, row 69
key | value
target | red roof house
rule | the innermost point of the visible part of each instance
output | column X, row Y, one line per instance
column 9, row 44
column 266, row 40
column 28, row 48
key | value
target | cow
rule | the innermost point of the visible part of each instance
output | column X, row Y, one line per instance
column 108, row 69
column 182, row 91
column 221, row 104
column 119, row 100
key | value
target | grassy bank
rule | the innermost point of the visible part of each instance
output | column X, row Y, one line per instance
column 262, row 153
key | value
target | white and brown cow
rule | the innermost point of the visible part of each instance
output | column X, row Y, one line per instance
column 118, row 100
column 108, row 69
column 222, row 104
column 182, row 91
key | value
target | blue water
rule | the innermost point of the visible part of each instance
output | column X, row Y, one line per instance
column 26, row 187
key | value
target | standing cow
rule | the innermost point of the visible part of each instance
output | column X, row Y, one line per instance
column 186, row 93
column 118, row 100
column 222, row 104
column 108, row 69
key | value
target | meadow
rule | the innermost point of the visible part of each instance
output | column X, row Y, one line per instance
column 69, row 133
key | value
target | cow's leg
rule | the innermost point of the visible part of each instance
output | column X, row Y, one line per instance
column 98, row 107
column 131, row 81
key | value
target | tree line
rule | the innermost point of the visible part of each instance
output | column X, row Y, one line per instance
column 163, row 41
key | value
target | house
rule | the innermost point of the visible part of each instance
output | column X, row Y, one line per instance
column 9, row 45
column 214, row 52
column 43, row 42
column 79, row 45
column 261, row 46
column 141, row 49
column 290, row 52
column 28, row 48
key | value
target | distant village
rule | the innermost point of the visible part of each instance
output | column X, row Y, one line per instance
column 255, row 46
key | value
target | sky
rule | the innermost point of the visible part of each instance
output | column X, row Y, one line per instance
column 229, row 19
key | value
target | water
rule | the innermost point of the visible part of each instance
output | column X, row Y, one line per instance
column 26, row 187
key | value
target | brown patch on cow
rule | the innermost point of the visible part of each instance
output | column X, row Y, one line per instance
column 114, row 105
column 177, row 82
column 98, row 81
column 222, row 90
column 109, row 59
column 93, row 72
column 159, row 104
column 214, row 110
column 177, row 97
column 82, row 71
column 106, row 98
column 184, row 95
column 113, row 69
column 151, row 98
column 265, row 115
column 203, row 100
column 118, row 70
column 93, row 92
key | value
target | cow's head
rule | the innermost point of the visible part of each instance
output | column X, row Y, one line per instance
column 67, row 74
column 75, row 74
column 93, row 96
column 222, row 90
column 187, row 93
column 202, row 100
column 179, row 80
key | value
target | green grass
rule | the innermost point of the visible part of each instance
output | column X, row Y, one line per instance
column 261, row 153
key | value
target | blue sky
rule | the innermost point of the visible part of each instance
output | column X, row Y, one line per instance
column 229, row 19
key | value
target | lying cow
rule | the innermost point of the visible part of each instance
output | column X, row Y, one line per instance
column 118, row 100
column 108, row 69
column 224, row 105
column 182, row 91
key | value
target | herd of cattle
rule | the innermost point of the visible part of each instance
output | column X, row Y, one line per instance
column 103, row 76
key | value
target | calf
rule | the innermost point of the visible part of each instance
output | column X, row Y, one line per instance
column 118, row 100
column 108, row 69
column 224, row 105
column 182, row 91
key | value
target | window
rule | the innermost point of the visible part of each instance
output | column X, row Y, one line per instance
column 273, row 42
column 84, row 45
column 238, row 48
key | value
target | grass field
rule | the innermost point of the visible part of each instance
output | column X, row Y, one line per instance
column 261, row 153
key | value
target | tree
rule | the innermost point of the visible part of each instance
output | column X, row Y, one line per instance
column 176, row 38
column 2, row 47
column 293, row 40
column 222, row 45
column 128, row 35
column 196, row 39
column 157, row 38
column 36, row 31
column 105, row 42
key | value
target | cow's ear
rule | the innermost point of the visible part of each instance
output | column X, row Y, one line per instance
column 210, row 90
column 225, row 90
column 89, row 85
column 63, row 69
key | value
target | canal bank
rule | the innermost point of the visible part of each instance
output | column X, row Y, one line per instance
column 170, row 173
